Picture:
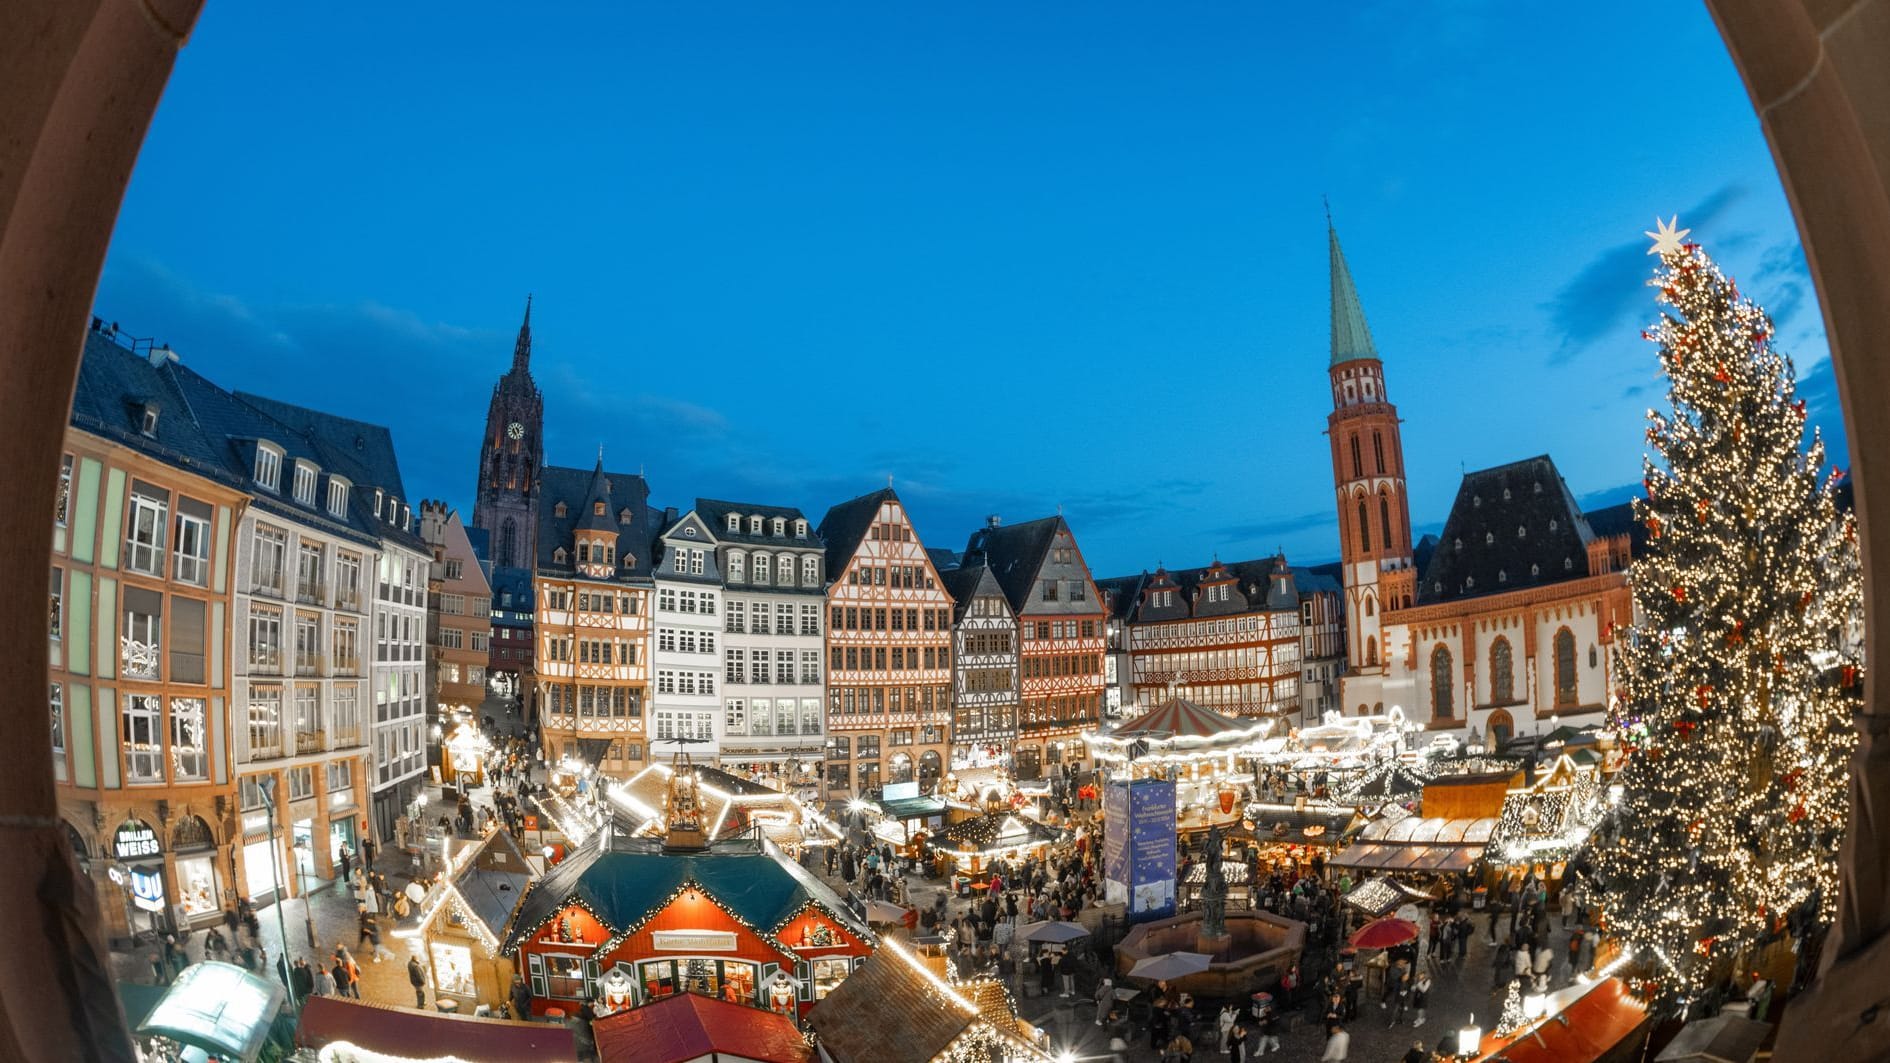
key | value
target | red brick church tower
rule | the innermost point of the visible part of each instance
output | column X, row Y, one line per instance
column 510, row 457
column 1368, row 477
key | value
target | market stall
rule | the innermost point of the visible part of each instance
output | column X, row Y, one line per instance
column 969, row 846
column 1287, row 838
column 1418, row 848
column 1541, row 826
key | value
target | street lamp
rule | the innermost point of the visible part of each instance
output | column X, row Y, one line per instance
column 267, row 784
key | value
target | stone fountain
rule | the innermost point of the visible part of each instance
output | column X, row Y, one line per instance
column 1251, row 950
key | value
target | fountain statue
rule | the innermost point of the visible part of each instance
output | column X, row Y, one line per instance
column 1214, row 938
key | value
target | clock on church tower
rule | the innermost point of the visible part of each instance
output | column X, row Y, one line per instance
column 515, row 431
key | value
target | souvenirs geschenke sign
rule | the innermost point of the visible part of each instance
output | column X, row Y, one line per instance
column 693, row 940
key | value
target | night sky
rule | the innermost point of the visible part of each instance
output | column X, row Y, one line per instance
column 1016, row 260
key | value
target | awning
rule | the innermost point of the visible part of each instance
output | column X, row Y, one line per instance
column 424, row 1035
column 592, row 750
column 688, row 1026
column 1391, row 857
column 905, row 808
column 218, row 1007
column 1603, row 1023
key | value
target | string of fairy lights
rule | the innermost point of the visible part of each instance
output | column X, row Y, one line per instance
column 1737, row 681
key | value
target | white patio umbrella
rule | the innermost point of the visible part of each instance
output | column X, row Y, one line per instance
column 1170, row 965
column 1052, row 932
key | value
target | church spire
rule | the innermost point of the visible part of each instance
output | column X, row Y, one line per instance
column 1351, row 337
column 522, row 350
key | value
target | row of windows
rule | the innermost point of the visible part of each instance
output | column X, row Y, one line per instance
column 858, row 701
column 600, row 602
column 984, row 643
column 671, row 681
column 1064, row 709
column 989, row 680
column 1072, row 590
column 586, row 700
column 777, row 524
column 672, row 600
column 741, row 618
column 684, row 640
column 268, row 571
column 764, row 716
column 453, row 638
column 1062, row 664
column 880, row 659
column 1565, row 688
column 737, row 666
column 851, row 618
column 268, row 475
column 905, row 577
column 866, row 747
column 1043, row 630
column 755, row 569
column 272, row 733
column 673, row 724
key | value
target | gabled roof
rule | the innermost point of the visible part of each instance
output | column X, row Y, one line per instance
column 846, row 524
column 1015, row 553
column 1512, row 527
column 623, row 880
column 964, row 584
column 1351, row 337
column 575, row 488
column 888, row 993
column 495, row 881
column 1123, row 594
column 1254, row 580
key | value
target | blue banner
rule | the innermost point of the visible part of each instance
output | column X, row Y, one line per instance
column 1139, row 847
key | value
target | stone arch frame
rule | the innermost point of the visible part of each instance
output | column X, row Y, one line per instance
column 1444, row 694
column 80, row 79
column 1501, row 650
column 1564, row 635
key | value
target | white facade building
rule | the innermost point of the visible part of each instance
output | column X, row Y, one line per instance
column 686, row 658
column 771, row 566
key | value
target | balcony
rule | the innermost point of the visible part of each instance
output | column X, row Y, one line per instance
column 348, row 666
column 310, row 592
column 265, row 660
column 309, row 664
column 268, row 584
column 345, row 737
column 311, row 741
column 348, row 599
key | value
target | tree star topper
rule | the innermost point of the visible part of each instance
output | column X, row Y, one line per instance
column 1666, row 239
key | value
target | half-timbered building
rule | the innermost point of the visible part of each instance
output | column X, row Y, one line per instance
column 984, row 669
column 888, row 649
column 593, row 591
column 1060, row 619
column 1226, row 637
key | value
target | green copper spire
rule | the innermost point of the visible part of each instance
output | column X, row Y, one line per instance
column 1351, row 337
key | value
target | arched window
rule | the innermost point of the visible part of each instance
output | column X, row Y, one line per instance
column 508, row 539
column 1371, row 650
column 1368, row 606
column 1384, row 519
column 1364, row 527
column 1378, row 449
column 1502, row 729
column 1502, row 673
column 1441, row 705
column 1358, row 466
column 1564, row 668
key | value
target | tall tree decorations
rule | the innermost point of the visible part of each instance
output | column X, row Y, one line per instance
column 1738, row 681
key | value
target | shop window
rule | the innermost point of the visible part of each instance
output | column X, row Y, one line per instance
column 829, row 973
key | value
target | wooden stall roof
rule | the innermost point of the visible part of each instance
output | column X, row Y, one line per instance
column 1467, row 796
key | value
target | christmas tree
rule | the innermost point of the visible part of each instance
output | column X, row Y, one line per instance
column 1736, row 687
column 1512, row 1018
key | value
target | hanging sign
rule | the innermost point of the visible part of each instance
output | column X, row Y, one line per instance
column 147, row 889
column 135, row 841
column 693, row 940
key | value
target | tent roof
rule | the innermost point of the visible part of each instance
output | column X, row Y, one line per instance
column 414, row 1034
column 688, row 1026
column 1183, row 718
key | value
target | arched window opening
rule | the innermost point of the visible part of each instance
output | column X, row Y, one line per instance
column 1565, row 687
column 1442, row 707
column 1378, row 450
column 1371, row 650
column 1502, row 673
column 508, row 538
column 1502, row 729
column 1364, row 527
column 1358, row 466
column 1384, row 520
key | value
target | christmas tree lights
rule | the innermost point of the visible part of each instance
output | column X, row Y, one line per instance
column 1739, row 679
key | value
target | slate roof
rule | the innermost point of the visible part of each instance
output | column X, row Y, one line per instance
column 362, row 452
column 1619, row 520
column 573, row 487
column 846, row 524
column 943, row 557
column 1014, row 553
column 714, row 513
column 1123, row 593
column 623, row 879
column 1254, row 584
column 113, row 385
column 481, row 542
column 1512, row 527
column 1314, row 580
column 964, row 584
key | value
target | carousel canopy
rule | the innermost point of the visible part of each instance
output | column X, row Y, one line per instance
column 1179, row 729
column 1181, row 718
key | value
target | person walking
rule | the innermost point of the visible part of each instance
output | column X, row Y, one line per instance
column 344, row 985
column 302, row 979
column 1545, row 959
column 1105, row 998
column 347, row 863
column 1066, row 970
column 417, row 976
column 1338, row 1045
column 1267, row 1026
column 324, row 983
column 1420, row 996
column 1234, row 1043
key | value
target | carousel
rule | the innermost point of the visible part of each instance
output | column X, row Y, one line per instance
column 1205, row 754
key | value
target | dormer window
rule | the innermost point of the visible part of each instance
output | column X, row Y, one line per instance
column 377, row 503
column 1552, row 524
column 597, row 508
column 1502, row 575
column 1458, row 543
column 558, row 510
column 559, row 555
column 1489, row 538
column 735, row 522
column 1522, row 531
column 780, row 527
column 268, row 467
column 1535, row 570
column 623, row 515
column 1469, row 581
column 304, row 485
column 1505, row 494
column 337, row 496
column 147, row 419
column 1538, row 487
column 754, row 525
column 1476, row 501
column 1568, row 563
column 800, row 529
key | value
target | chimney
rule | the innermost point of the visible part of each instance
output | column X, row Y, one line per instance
column 160, row 355
column 993, row 520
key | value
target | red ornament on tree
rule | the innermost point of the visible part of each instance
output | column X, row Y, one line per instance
column 1702, row 508
column 1797, row 813
column 1653, row 527
column 1850, row 674
column 1704, row 692
column 1738, row 634
column 1685, row 727
column 1679, row 594
column 1721, row 375
column 1790, row 778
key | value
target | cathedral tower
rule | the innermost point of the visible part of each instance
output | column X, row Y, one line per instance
column 1368, row 478
column 510, row 457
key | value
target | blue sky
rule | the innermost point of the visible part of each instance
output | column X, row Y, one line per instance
column 1015, row 259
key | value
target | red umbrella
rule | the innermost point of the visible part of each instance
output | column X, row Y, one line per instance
column 1384, row 933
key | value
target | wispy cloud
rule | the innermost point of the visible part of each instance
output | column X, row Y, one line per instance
column 1606, row 295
